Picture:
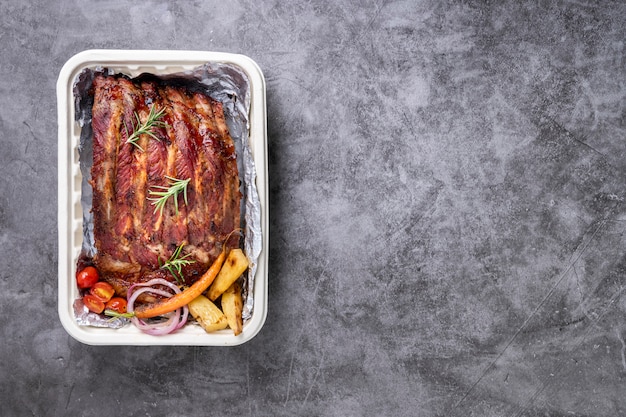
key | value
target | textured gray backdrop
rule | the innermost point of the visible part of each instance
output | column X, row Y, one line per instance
column 447, row 184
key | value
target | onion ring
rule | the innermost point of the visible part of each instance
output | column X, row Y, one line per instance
column 175, row 320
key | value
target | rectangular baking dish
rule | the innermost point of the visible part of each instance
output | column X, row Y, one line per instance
column 70, row 216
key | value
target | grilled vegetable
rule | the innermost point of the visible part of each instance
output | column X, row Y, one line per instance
column 93, row 303
column 116, row 304
column 232, row 306
column 208, row 315
column 234, row 265
column 87, row 277
column 103, row 291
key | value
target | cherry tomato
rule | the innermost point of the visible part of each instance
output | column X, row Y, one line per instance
column 93, row 303
column 117, row 304
column 87, row 277
column 102, row 291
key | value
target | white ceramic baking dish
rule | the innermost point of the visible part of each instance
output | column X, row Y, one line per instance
column 70, row 216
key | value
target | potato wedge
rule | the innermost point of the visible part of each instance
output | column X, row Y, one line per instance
column 208, row 315
column 234, row 265
column 232, row 306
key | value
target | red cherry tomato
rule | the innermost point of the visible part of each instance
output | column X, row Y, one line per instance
column 102, row 291
column 93, row 303
column 87, row 277
column 117, row 304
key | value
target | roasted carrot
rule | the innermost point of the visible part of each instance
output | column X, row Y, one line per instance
column 167, row 305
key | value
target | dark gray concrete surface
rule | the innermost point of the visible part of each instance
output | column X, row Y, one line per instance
column 447, row 184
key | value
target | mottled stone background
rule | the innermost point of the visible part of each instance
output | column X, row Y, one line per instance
column 447, row 184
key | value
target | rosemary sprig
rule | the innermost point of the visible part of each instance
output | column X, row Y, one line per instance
column 175, row 264
column 114, row 314
column 145, row 128
column 176, row 186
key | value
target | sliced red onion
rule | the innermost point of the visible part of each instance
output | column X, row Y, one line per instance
column 183, row 319
column 155, row 281
column 136, row 294
column 174, row 320
column 158, row 329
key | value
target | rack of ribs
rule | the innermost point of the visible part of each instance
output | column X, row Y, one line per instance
column 133, row 238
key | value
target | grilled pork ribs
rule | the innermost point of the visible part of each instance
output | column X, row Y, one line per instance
column 146, row 136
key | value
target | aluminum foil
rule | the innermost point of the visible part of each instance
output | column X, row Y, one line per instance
column 84, row 317
column 226, row 83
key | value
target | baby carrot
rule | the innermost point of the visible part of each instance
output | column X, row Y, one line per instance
column 177, row 301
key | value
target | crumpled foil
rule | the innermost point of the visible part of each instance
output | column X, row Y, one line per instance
column 84, row 317
column 223, row 82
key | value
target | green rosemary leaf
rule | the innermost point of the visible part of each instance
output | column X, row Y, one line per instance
column 159, row 198
column 175, row 264
column 145, row 128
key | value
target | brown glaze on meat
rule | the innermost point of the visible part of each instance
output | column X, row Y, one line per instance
column 132, row 240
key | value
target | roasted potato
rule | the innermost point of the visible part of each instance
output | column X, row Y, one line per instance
column 234, row 265
column 232, row 306
column 207, row 314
